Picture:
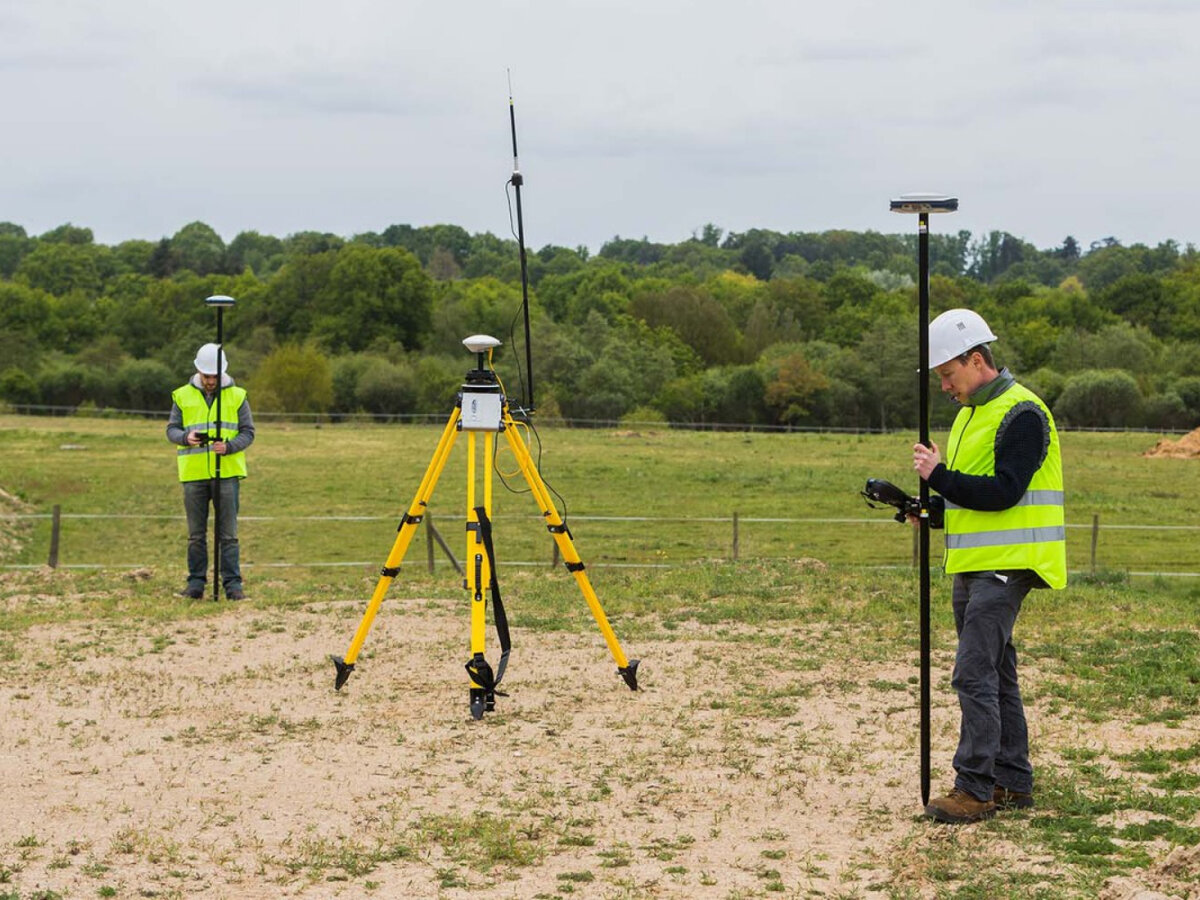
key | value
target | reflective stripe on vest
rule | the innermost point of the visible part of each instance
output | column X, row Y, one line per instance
column 1029, row 535
column 1031, row 498
column 199, row 463
column 1008, row 536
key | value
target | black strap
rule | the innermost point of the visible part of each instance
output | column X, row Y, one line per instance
column 485, row 532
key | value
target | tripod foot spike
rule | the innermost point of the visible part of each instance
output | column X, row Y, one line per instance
column 629, row 673
column 478, row 703
column 343, row 671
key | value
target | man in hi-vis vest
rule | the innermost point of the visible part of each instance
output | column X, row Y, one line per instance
column 193, row 426
column 1000, row 478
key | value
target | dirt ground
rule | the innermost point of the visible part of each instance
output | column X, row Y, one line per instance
column 213, row 758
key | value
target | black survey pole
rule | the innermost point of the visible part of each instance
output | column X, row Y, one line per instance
column 923, row 205
column 516, row 181
column 220, row 301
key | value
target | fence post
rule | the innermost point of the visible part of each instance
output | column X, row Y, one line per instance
column 55, row 527
column 1095, row 538
column 735, row 535
column 554, row 554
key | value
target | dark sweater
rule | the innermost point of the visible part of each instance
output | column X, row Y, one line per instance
column 1019, row 453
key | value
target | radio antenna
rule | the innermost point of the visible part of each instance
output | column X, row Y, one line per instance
column 516, row 181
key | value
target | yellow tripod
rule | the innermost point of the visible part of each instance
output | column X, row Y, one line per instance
column 482, row 408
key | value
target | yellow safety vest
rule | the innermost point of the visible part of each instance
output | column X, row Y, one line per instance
column 199, row 463
column 1029, row 535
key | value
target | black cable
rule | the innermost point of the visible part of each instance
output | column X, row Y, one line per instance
column 537, row 465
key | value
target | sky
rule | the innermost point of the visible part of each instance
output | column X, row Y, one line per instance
column 635, row 118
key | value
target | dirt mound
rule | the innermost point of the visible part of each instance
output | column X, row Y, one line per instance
column 1187, row 447
column 1177, row 877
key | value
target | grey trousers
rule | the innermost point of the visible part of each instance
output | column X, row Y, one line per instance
column 993, row 744
column 197, row 497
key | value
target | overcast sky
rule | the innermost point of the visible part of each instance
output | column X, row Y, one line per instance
column 635, row 117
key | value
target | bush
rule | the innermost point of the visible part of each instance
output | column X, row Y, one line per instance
column 387, row 389
column 1106, row 398
column 297, row 378
column 1046, row 383
column 18, row 386
column 643, row 415
column 347, row 370
column 70, row 384
column 1165, row 410
column 1188, row 390
column 144, row 384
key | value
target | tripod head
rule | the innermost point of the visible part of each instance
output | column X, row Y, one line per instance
column 481, row 400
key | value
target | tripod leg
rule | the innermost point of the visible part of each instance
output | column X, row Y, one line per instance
column 391, row 568
column 627, row 668
column 482, row 697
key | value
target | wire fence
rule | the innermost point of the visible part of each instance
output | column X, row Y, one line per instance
column 439, row 418
column 719, row 538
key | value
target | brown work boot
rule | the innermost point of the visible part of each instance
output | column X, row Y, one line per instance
column 959, row 808
column 1006, row 799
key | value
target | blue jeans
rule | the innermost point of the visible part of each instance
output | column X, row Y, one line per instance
column 197, row 496
column 993, row 744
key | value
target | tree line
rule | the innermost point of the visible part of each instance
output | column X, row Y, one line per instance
column 757, row 328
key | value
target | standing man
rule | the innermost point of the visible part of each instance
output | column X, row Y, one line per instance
column 1003, row 490
column 201, row 439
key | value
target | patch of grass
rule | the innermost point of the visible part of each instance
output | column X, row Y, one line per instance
column 480, row 841
column 1151, row 670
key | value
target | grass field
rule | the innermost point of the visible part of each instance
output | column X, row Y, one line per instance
column 160, row 747
column 686, row 485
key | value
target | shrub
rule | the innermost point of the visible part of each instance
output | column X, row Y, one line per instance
column 144, row 384
column 386, row 389
column 297, row 378
column 1107, row 398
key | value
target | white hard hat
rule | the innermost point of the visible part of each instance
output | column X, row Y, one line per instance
column 955, row 332
column 206, row 360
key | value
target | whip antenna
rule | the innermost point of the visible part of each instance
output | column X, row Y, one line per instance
column 516, row 181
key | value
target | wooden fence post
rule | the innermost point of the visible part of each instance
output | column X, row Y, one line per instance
column 55, row 528
column 1095, row 538
column 735, row 535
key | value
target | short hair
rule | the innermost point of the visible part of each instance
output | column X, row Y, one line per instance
column 983, row 350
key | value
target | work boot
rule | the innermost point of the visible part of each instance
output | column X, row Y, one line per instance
column 960, row 808
column 1006, row 799
column 192, row 593
column 235, row 594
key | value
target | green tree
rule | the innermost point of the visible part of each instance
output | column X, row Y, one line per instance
column 14, row 244
column 60, row 268
column 262, row 254
column 374, row 294
column 789, row 393
column 198, row 248
column 699, row 320
column 27, row 319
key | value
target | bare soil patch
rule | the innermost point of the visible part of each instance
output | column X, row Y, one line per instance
column 213, row 758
